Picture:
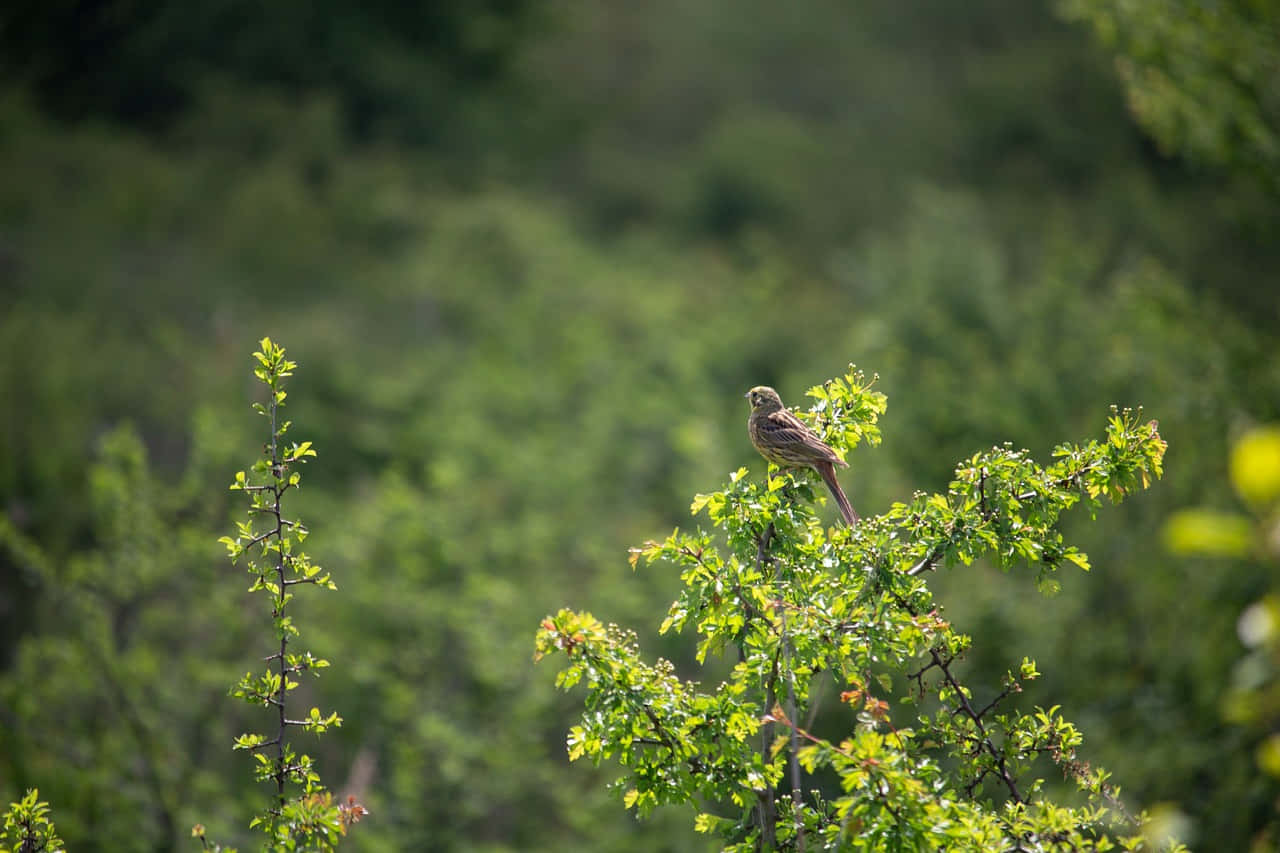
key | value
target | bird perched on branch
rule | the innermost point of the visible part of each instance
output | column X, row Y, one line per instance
column 784, row 440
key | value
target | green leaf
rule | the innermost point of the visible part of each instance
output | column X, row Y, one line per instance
column 1078, row 557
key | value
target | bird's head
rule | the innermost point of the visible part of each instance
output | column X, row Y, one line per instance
column 764, row 399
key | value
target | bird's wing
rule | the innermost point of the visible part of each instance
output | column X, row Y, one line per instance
column 788, row 433
column 786, row 429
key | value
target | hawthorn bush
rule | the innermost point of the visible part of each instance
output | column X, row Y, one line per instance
column 922, row 760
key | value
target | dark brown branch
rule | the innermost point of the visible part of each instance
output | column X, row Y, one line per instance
column 768, row 808
column 965, row 706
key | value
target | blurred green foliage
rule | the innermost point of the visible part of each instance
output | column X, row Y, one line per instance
column 528, row 294
column 393, row 67
column 1203, row 77
column 1251, row 538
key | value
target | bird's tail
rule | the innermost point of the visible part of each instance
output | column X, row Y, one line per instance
column 828, row 473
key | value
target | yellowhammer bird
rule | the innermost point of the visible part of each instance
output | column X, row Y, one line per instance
column 784, row 440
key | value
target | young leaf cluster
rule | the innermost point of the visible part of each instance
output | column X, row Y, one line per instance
column 922, row 760
column 27, row 827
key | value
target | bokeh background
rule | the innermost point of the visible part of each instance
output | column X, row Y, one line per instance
column 529, row 254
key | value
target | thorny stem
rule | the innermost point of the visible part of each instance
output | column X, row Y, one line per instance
column 797, row 795
column 768, row 808
column 276, row 474
column 964, row 705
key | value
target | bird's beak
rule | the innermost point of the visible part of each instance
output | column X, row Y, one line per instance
column 748, row 394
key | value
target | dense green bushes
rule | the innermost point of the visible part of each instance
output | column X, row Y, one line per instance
column 522, row 356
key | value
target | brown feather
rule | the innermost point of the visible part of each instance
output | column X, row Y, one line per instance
column 828, row 473
column 786, row 441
